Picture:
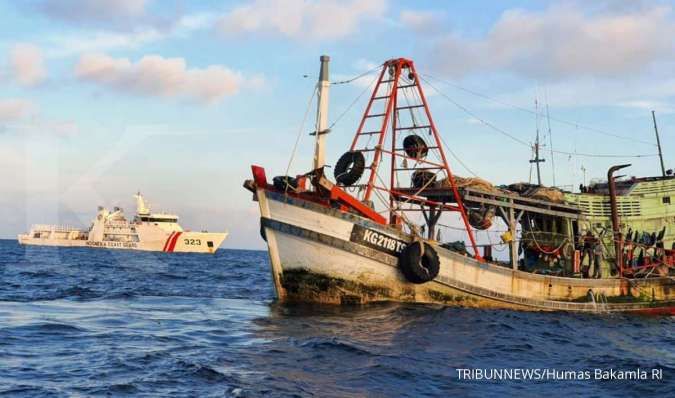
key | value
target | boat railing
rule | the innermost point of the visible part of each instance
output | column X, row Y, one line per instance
column 54, row 228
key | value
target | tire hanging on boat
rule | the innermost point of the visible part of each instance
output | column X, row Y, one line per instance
column 419, row 262
column 349, row 168
column 415, row 147
column 422, row 178
column 284, row 183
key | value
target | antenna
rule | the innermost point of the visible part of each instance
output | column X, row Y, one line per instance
column 536, row 159
column 583, row 170
column 658, row 144
column 550, row 138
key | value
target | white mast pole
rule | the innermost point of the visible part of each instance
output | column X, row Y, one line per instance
column 323, row 87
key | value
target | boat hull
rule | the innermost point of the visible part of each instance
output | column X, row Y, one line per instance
column 319, row 254
column 175, row 242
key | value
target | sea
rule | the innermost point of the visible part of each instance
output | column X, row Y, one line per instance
column 78, row 322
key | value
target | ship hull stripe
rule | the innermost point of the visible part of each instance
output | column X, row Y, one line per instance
column 166, row 244
column 172, row 245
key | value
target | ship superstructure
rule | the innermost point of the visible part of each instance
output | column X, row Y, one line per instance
column 112, row 230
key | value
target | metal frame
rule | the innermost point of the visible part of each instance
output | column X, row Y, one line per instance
column 396, row 67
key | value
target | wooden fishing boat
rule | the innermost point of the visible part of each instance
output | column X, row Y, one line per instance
column 371, row 234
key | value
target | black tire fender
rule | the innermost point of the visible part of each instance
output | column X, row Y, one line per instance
column 415, row 147
column 349, row 168
column 284, row 183
column 419, row 262
column 422, row 178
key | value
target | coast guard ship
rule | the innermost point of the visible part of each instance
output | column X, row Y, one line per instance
column 111, row 230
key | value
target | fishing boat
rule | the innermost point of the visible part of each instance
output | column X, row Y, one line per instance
column 371, row 233
column 149, row 231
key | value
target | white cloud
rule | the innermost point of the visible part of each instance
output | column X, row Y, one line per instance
column 69, row 44
column 14, row 109
column 94, row 11
column 365, row 64
column 26, row 64
column 649, row 105
column 421, row 21
column 563, row 41
column 640, row 94
column 164, row 77
column 299, row 19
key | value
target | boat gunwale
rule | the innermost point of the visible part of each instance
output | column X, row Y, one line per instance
column 364, row 222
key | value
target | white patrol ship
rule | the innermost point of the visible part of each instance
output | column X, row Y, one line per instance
column 111, row 230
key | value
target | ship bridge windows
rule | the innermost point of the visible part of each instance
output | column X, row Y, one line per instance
column 159, row 219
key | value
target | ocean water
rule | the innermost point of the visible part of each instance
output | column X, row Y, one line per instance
column 92, row 322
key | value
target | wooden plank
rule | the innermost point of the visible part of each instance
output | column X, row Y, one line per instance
column 522, row 199
column 477, row 199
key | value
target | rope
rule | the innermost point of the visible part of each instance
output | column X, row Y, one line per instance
column 302, row 127
column 524, row 143
column 353, row 103
column 358, row 76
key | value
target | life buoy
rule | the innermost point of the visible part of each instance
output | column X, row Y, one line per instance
column 284, row 183
column 422, row 178
column 415, row 147
column 349, row 168
column 418, row 263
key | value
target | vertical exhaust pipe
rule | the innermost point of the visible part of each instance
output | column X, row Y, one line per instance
column 616, row 225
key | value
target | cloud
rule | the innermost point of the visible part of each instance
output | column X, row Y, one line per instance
column 421, row 21
column 68, row 44
column 94, row 12
column 300, row 19
column 563, row 41
column 155, row 75
column 14, row 109
column 26, row 64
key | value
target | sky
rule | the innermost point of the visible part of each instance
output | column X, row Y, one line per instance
column 177, row 99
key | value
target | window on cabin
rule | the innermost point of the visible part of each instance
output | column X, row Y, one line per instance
column 666, row 200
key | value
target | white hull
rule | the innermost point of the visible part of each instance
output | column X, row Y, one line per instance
column 148, row 231
column 177, row 242
column 315, row 257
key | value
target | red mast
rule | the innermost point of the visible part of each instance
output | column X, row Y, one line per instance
column 410, row 116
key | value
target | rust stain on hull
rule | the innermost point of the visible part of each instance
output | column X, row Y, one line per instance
column 305, row 286
column 301, row 286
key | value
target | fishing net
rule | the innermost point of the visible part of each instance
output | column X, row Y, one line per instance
column 471, row 182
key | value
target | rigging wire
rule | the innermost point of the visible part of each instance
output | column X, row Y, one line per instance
column 523, row 109
column 302, row 127
column 445, row 144
column 366, row 89
column 522, row 142
column 357, row 77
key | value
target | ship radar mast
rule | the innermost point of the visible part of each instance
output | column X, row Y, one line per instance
column 141, row 206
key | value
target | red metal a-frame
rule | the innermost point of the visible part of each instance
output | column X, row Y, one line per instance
column 398, row 90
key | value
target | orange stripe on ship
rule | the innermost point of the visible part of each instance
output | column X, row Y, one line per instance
column 166, row 244
column 172, row 245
